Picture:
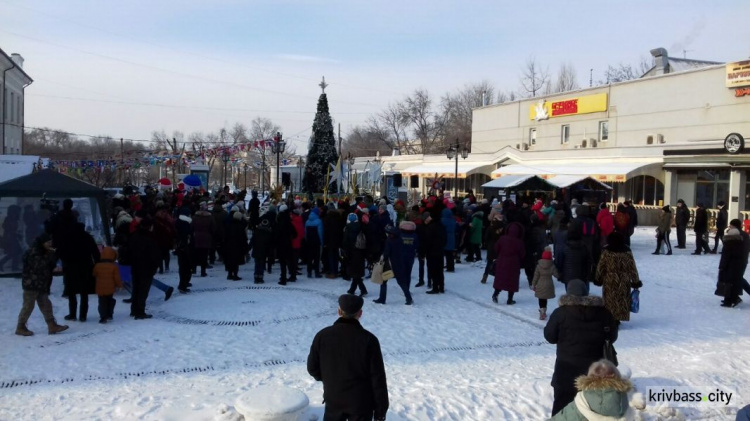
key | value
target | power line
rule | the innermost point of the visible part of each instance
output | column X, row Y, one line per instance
column 154, row 104
column 207, row 57
column 188, row 75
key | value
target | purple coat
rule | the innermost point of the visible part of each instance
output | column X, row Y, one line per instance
column 510, row 252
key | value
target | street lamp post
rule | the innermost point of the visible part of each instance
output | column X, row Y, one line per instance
column 277, row 147
column 453, row 152
column 350, row 161
column 244, row 167
column 300, row 165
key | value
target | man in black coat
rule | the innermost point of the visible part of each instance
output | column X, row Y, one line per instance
column 746, row 242
column 721, row 224
column 681, row 219
column 145, row 257
column 633, row 216
column 348, row 360
column 700, row 227
column 435, row 238
column 578, row 326
column 254, row 209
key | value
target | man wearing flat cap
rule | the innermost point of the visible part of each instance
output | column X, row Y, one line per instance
column 347, row 359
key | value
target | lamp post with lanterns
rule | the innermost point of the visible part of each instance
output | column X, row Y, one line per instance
column 350, row 161
column 452, row 153
column 277, row 147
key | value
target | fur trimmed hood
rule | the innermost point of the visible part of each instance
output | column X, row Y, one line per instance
column 588, row 383
column 574, row 300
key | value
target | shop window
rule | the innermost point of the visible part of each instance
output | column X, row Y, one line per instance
column 711, row 187
column 532, row 136
column 645, row 190
column 603, row 131
column 565, row 134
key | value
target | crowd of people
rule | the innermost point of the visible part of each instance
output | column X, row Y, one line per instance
column 576, row 243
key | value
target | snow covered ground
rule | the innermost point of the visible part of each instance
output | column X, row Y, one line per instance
column 455, row 356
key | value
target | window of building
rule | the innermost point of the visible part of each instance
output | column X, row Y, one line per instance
column 711, row 187
column 603, row 131
column 645, row 190
column 12, row 105
column 18, row 110
column 532, row 136
column 565, row 133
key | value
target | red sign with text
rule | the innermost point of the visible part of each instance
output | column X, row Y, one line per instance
column 741, row 92
column 565, row 107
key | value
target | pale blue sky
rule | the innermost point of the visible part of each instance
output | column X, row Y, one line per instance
column 207, row 64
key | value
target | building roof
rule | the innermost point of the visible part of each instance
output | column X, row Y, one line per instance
column 20, row 69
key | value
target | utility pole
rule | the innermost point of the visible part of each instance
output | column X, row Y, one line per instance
column 339, row 140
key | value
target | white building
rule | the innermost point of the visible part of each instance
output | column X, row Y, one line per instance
column 677, row 132
column 13, row 81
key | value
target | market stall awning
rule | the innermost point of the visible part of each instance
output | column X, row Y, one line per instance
column 600, row 171
column 519, row 182
column 448, row 169
column 565, row 181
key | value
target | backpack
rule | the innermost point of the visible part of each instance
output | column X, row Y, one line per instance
column 361, row 242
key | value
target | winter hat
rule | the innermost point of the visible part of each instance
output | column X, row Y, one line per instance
column 331, row 206
column 547, row 253
column 407, row 226
column 666, row 209
column 383, row 208
column 577, row 287
column 680, row 201
column 283, row 208
column 350, row 304
column 352, row 217
column 602, row 205
column 732, row 231
column 736, row 223
column 574, row 202
column 495, row 202
column 382, row 202
column 365, row 218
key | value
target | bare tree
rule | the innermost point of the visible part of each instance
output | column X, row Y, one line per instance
column 426, row 124
column 458, row 108
column 389, row 127
column 361, row 141
column 534, row 78
column 566, row 79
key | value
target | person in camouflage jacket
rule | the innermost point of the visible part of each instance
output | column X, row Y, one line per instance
column 38, row 263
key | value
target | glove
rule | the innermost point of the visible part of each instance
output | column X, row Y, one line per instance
column 637, row 284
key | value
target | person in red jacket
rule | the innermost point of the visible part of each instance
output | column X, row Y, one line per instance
column 606, row 223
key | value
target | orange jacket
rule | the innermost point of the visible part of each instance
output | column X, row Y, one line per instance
column 107, row 273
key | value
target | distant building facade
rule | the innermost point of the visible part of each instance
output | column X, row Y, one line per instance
column 677, row 132
column 13, row 81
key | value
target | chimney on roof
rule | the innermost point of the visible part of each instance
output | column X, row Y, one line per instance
column 661, row 61
column 17, row 59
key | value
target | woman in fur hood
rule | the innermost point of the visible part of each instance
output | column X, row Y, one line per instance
column 602, row 396
column 578, row 326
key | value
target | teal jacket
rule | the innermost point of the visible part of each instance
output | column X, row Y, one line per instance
column 477, row 228
column 607, row 398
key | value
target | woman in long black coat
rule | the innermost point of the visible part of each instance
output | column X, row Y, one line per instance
column 732, row 266
column 578, row 326
column 78, row 260
column 235, row 245
column 355, row 256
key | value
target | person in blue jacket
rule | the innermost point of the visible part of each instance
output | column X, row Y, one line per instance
column 400, row 250
column 313, row 242
column 449, row 225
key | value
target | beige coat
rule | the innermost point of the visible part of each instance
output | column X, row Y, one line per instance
column 665, row 222
column 542, row 283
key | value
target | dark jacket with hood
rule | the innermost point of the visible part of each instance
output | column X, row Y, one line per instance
column 263, row 236
column 577, row 327
column 38, row 265
column 401, row 249
column 348, row 360
column 574, row 260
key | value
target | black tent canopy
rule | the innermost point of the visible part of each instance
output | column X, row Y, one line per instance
column 47, row 184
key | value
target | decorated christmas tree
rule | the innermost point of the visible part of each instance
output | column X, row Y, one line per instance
column 322, row 149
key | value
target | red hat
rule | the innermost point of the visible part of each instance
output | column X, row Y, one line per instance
column 547, row 255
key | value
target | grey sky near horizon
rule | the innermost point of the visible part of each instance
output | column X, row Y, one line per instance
column 128, row 68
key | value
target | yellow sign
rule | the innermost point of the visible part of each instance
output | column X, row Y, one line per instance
column 572, row 106
column 738, row 74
